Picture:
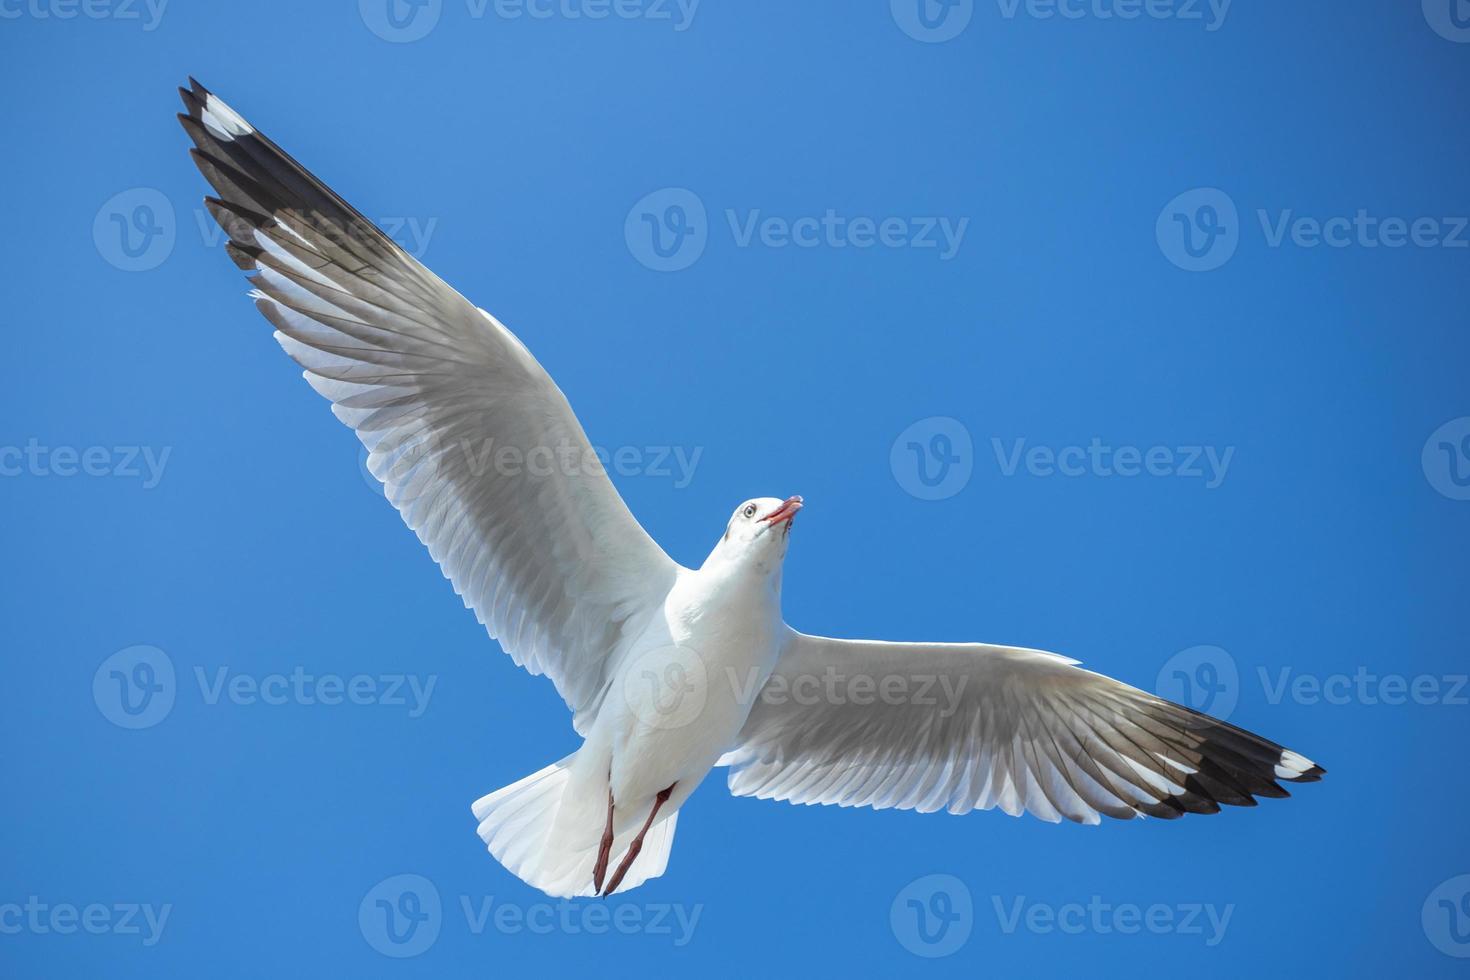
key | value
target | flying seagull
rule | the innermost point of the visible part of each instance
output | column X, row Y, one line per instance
column 668, row 671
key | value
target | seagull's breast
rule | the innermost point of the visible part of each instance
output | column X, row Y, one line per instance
column 681, row 695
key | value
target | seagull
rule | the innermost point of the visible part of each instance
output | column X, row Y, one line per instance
column 668, row 671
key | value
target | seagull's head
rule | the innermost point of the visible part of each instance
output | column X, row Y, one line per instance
column 758, row 532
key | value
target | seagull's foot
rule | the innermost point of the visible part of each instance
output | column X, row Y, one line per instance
column 604, row 850
column 637, row 845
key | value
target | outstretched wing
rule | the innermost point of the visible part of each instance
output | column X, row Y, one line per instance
column 475, row 445
column 964, row 726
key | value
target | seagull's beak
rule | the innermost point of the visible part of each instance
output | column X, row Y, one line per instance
column 786, row 512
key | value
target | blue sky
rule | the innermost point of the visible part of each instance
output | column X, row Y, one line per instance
column 1171, row 306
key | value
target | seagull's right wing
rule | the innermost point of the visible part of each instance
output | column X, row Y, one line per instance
column 965, row 726
column 475, row 445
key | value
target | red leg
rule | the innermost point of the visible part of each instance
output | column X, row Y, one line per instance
column 604, row 851
column 637, row 845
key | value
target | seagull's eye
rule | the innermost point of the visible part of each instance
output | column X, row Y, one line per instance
column 749, row 510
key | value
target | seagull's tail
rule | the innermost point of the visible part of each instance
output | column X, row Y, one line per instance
column 545, row 829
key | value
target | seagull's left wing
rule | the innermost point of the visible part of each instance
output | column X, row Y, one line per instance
column 964, row 726
column 475, row 445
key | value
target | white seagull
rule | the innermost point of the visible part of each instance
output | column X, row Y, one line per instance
column 668, row 671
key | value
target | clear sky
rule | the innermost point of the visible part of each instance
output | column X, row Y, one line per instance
column 1141, row 339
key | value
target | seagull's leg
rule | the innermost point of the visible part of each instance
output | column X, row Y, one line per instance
column 604, row 851
column 637, row 845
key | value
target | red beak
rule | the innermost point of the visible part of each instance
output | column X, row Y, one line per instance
column 785, row 512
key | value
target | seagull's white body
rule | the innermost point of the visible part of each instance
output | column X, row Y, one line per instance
column 668, row 671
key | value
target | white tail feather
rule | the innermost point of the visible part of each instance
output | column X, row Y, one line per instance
column 546, row 833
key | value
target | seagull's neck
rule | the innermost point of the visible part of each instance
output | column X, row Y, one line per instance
column 732, row 574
